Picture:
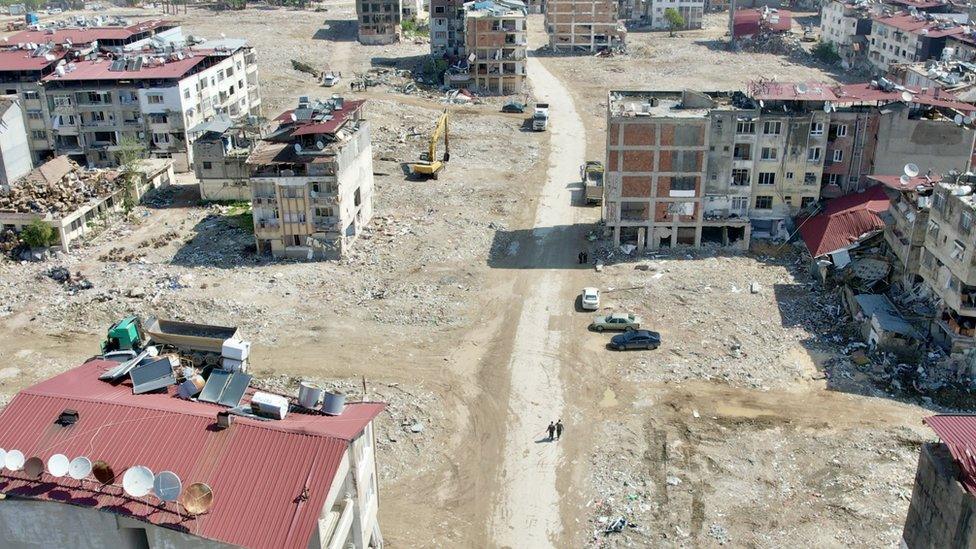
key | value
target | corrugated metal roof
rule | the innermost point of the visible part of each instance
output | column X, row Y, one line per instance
column 258, row 470
column 87, row 35
column 745, row 22
column 894, row 181
column 99, row 70
column 21, row 60
column 958, row 432
column 844, row 221
column 865, row 92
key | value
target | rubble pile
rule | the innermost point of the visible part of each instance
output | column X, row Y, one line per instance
column 776, row 43
column 77, row 188
column 73, row 282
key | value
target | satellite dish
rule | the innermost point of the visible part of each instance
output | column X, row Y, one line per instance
column 197, row 498
column 906, row 97
column 319, row 145
column 762, row 103
column 34, row 467
column 14, row 460
column 79, row 468
column 802, row 88
column 827, row 106
column 904, row 180
column 3, row 457
column 137, row 481
column 957, row 119
column 911, row 170
column 967, row 120
column 167, row 486
column 103, row 472
column 293, row 117
column 57, row 465
column 298, row 147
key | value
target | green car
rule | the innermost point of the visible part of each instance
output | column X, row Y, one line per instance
column 616, row 321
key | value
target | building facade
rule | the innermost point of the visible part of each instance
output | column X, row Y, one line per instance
column 447, row 27
column 220, row 151
column 379, row 21
column 690, row 10
column 15, row 157
column 902, row 38
column 312, row 181
column 495, row 43
column 906, row 222
column 583, row 25
column 846, row 25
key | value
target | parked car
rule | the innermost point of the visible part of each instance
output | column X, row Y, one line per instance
column 636, row 339
column 330, row 79
column 616, row 321
column 590, row 299
column 514, row 107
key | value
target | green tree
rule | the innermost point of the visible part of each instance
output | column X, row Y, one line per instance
column 674, row 19
column 826, row 52
column 38, row 234
column 129, row 155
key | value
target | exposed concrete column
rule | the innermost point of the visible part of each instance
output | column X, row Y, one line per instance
column 616, row 235
column 642, row 237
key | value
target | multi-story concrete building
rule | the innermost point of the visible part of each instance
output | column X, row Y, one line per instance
column 220, row 151
column 583, row 25
column 312, row 181
column 379, row 21
column 115, row 38
column 846, row 24
column 15, row 158
column 948, row 264
column 690, row 10
column 495, row 45
column 21, row 72
column 152, row 97
column 447, row 28
column 313, row 475
column 899, row 38
column 906, row 221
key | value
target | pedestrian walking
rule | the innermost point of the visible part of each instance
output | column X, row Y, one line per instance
column 586, row 257
column 559, row 429
column 551, row 429
column 579, row 258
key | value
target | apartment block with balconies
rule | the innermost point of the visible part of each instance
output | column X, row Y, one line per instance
column 495, row 37
column 583, row 25
column 311, row 181
column 379, row 21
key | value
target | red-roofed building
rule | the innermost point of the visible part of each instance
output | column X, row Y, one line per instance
column 321, row 154
column 116, row 37
column 906, row 221
column 845, row 222
column 944, row 496
column 906, row 38
column 21, row 72
column 747, row 23
column 308, row 480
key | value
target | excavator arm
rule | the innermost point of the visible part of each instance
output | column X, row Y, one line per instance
column 431, row 165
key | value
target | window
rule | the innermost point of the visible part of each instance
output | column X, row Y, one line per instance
column 842, row 130
column 745, row 126
column 203, row 84
column 742, row 151
column 809, row 178
column 39, row 134
column 807, row 201
column 207, row 165
column 740, row 203
column 764, row 202
column 965, row 222
column 789, row 176
column 158, row 118
column 958, row 250
column 927, row 258
column 31, row 95
column 768, row 153
column 813, row 154
column 230, row 72
column 740, row 177
column 767, row 178
column 160, row 138
column 186, row 93
column 62, row 101
column 324, row 212
column 35, row 115
column 838, row 155
column 154, row 98
column 788, row 199
column 933, row 229
column 772, row 127
column 438, row 9
column 938, row 201
column 816, row 128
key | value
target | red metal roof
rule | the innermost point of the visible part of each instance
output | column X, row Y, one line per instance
column 958, row 432
column 844, row 221
column 310, row 127
column 911, row 24
column 864, row 92
column 789, row 91
column 894, row 181
column 87, row 35
column 258, row 470
column 99, row 70
column 21, row 60
column 918, row 4
column 746, row 22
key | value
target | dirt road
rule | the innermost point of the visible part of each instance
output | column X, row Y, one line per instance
column 527, row 512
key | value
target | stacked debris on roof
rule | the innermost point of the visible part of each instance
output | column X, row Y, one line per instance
column 59, row 186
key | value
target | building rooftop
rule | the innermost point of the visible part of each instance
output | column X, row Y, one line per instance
column 87, row 35
column 958, row 432
column 495, row 8
column 917, row 24
column 18, row 59
column 913, row 183
column 270, row 478
column 845, row 221
column 867, row 93
column 747, row 22
column 768, row 90
column 152, row 68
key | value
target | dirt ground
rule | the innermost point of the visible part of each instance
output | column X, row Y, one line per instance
column 748, row 427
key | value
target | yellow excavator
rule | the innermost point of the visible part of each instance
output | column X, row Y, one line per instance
column 429, row 166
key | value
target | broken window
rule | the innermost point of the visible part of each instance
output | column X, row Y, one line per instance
column 958, row 250
column 807, row 201
column 764, row 202
column 767, row 178
column 742, row 151
column 933, row 229
column 740, row 177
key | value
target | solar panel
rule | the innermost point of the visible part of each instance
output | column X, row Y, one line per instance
column 303, row 114
column 152, row 376
column 215, row 386
column 234, row 390
column 118, row 65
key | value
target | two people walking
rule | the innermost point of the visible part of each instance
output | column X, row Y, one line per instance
column 555, row 430
column 583, row 257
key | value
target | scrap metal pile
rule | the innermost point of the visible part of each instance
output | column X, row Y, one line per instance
column 37, row 193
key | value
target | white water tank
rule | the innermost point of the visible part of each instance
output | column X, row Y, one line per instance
column 333, row 404
column 236, row 349
column 268, row 405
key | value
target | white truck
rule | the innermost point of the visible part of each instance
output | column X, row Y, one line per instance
column 540, row 117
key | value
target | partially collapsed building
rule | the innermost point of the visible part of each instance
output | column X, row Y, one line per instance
column 583, row 25
column 379, row 21
column 311, row 180
column 495, row 43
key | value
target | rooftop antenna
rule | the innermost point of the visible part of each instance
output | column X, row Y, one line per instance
column 968, row 119
column 911, row 170
column 14, row 460
column 57, row 465
column 198, row 498
column 137, row 481
column 298, row 147
column 827, row 106
column 34, row 467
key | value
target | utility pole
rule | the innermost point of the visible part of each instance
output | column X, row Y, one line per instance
column 731, row 24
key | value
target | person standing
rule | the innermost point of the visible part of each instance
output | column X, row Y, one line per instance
column 579, row 258
column 586, row 257
column 559, row 429
column 551, row 429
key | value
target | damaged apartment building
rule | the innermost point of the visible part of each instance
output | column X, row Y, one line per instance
column 312, row 180
column 583, row 25
column 447, row 27
column 220, row 150
column 379, row 21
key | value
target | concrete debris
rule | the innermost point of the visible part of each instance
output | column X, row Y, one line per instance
column 35, row 194
column 73, row 282
column 754, row 288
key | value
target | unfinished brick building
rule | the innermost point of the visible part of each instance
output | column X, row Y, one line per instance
column 379, row 21
column 495, row 37
column 583, row 25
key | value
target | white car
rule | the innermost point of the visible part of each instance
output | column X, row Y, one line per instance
column 330, row 79
column 590, row 299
